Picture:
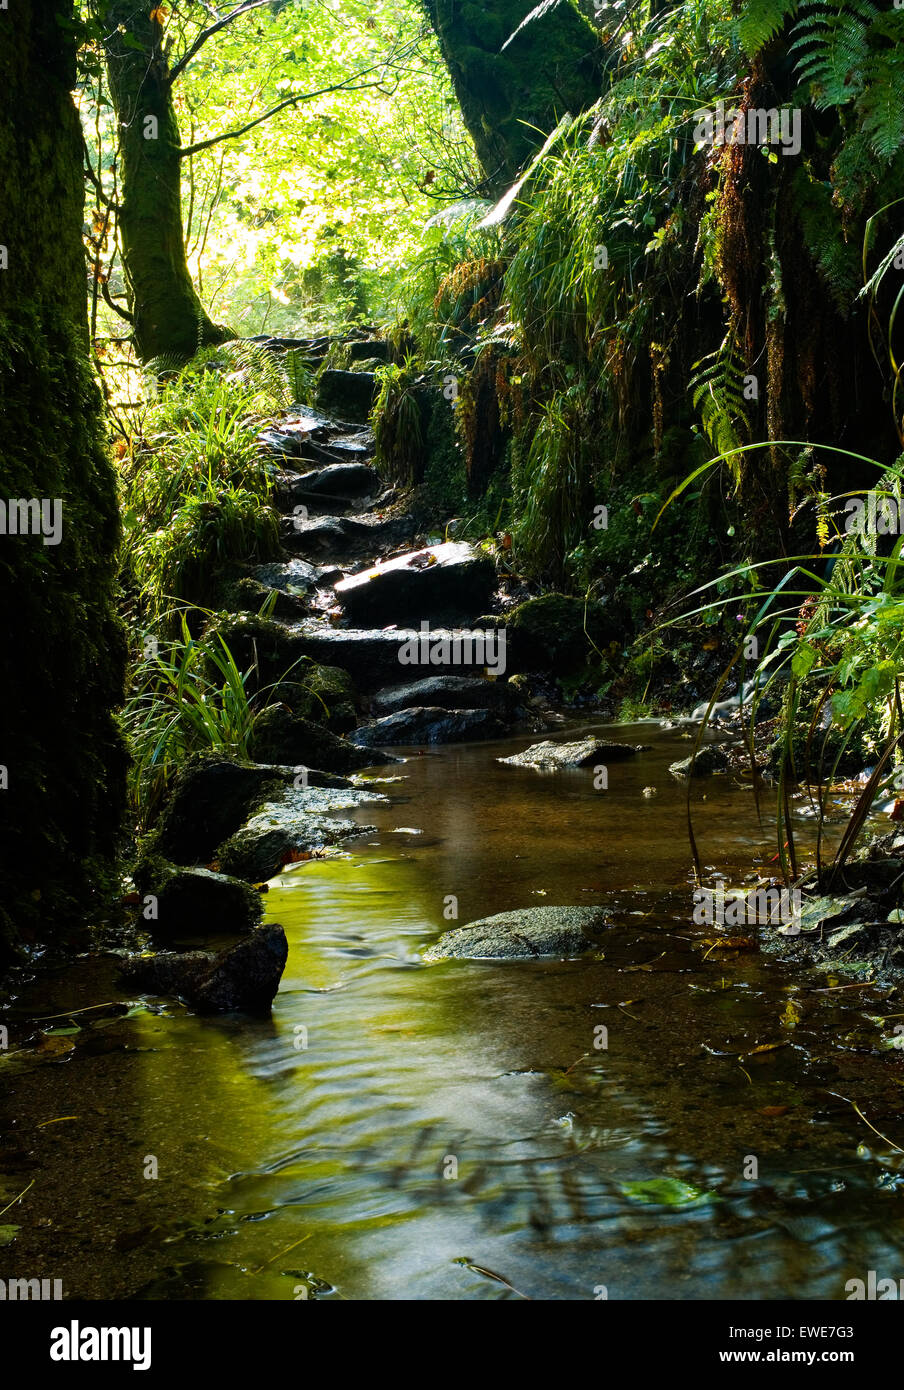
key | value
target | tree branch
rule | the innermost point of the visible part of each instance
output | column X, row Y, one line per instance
column 281, row 106
column 178, row 68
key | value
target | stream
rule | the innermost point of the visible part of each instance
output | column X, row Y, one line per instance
column 457, row 1131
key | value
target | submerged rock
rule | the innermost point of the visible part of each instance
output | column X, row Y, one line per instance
column 529, row 932
column 426, row 725
column 424, row 584
column 244, row 977
column 194, row 902
column 585, row 752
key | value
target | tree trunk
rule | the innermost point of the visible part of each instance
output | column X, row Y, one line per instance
column 511, row 97
column 62, row 658
column 168, row 315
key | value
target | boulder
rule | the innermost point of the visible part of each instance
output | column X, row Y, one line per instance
column 425, row 725
column 452, row 579
column 244, row 977
column 548, row 633
column 585, row 752
column 194, row 902
column 279, row 736
column 447, row 692
column 347, row 395
column 529, row 932
column 711, row 758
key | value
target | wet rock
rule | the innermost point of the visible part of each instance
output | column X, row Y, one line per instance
column 344, row 483
column 711, row 758
column 194, row 902
column 279, row 736
column 447, row 692
column 529, row 932
column 442, row 580
column 267, row 648
column 211, row 797
column 345, row 538
column 347, row 395
column 242, row 978
column 246, row 595
column 415, row 726
column 297, row 825
column 585, row 752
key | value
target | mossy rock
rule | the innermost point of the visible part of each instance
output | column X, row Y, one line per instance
column 324, row 694
column 279, row 736
column 548, row 633
column 211, row 797
column 194, row 902
column 263, row 642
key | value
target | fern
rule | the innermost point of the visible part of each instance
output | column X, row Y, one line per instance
column 882, row 106
column 761, row 21
column 831, row 42
column 837, row 262
column 718, row 394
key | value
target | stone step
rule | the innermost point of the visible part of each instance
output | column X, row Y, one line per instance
column 345, row 539
column 347, row 394
column 426, row 725
column 447, row 692
column 376, row 657
column 339, row 486
column 447, row 581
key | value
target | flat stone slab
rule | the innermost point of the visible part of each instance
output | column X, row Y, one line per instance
column 446, row 692
column 523, row 935
column 425, row 725
column 439, row 580
column 294, row 577
column 583, row 752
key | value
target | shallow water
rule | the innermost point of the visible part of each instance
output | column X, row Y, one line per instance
column 407, row 1131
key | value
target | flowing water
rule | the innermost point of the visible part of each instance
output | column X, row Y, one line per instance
column 458, row 1131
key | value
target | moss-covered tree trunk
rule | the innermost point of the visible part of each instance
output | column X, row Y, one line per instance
column 168, row 317
column 513, row 84
column 62, row 654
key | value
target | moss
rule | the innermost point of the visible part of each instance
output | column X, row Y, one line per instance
column 62, row 658
column 195, row 902
column 548, row 633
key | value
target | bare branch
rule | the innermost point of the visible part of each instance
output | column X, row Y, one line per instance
column 247, row 5
column 345, row 86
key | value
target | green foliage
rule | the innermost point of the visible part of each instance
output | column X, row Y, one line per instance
column 835, row 258
column 398, row 424
column 196, row 487
column 553, row 486
column 761, row 20
column 185, row 696
column 717, row 390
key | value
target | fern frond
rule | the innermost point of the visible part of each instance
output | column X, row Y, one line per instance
column 832, row 48
column 761, row 20
column 717, row 391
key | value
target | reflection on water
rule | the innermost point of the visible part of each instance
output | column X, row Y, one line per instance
column 401, row 1131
